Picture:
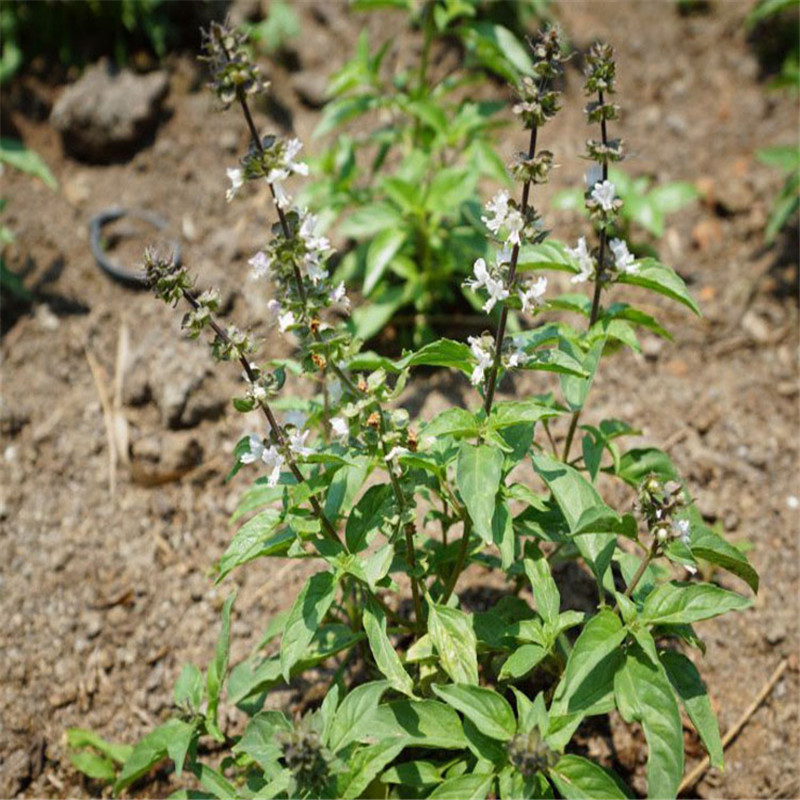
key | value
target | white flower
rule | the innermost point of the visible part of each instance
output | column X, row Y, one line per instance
column 497, row 292
column 282, row 198
column 396, row 451
column 604, row 193
column 585, row 261
column 274, row 460
column 297, row 443
column 293, row 147
column 623, row 258
column 681, row 529
column 274, row 307
column 255, row 452
column 340, row 429
column 483, row 356
column 531, row 297
column 295, row 417
column 514, row 223
column 260, row 264
column 285, row 321
column 237, row 181
column 339, row 297
column 498, row 208
column 258, row 392
column 315, row 271
column 517, row 358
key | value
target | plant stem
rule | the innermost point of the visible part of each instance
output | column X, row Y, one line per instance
column 460, row 559
column 651, row 553
column 512, row 274
column 325, row 523
column 598, row 288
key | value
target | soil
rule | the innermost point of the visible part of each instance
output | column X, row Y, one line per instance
column 104, row 587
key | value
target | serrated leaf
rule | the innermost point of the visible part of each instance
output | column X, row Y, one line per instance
column 713, row 548
column 514, row 412
column 348, row 724
column 94, row 766
column 364, row 766
column 577, row 778
column 550, row 254
column 425, row 723
column 189, row 687
column 259, row 738
column 478, row 473
column 684, row 603
column 374, row 620
column 456, row 422
column 463, row 787
column 172, row 739
column 485, row 708
column 688, row 684
column 307, row 613
column 454, row 638
column 522, row 661
column 368, row 514
column 79, row 737
column 253, row 540
column 413, row 773
column 575, row 495
column 441, row 353
column 659, row 278
column 589, row 673
column 545, row 591
column 644, row 695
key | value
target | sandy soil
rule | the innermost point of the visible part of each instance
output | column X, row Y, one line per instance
column 104, row 591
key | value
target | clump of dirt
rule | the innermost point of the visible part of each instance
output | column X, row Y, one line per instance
column 105, row 591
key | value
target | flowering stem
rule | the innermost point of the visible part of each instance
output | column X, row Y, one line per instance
column 460, row 559
column 491, row 382
column 645, row 563
column 409, row 529
column 598, row 286
column 325, row 523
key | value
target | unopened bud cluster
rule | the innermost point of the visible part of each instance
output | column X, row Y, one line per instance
column 167, row 280
column 529, row 753
column 306, row 758
column 233, row 73
column 658, row 502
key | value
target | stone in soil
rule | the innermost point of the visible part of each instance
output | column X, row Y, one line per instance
column 108, row 115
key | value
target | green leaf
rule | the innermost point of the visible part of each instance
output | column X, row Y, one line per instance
column 441, row 353
column 374, row 620
column 213, row 781
column 454, row 638
column 364, row 766
column 547, row 255
column 253, row 540
column 382, row 249
column 94, row 766
column 503, row 43
column 503, row 533
column 522, row 661
column 413, row 773
column 485, row 708
column 15, row 154
column 686, row 681
column 713, row 548
column 575, row 495
column 515, row 412
column 463, row 787
column 348, row 724
column 545, row 591
column 307, row 613
column 218, row 668
column 591, row 665
column 368, row 515
column 457, row 422
column 259, row 738
column 553, row 360
column 422, row 723
column 673, row 196
column 644, row 695
column 189, row 687
column 577, row 778
column 344, row 487
column 685, row 603
column 78, row 738
column 172, row 739
column 661, row 279
column 478, row 473
column 576, row 389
